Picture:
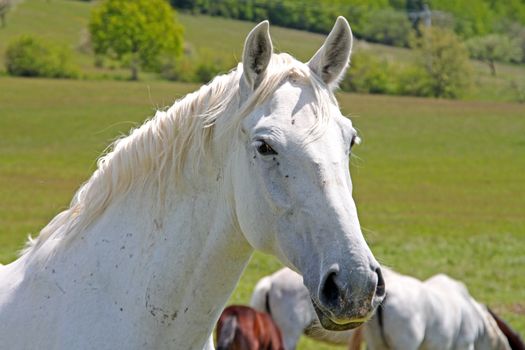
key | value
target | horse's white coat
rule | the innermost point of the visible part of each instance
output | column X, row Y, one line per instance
column 154, row 243
column 437, row 314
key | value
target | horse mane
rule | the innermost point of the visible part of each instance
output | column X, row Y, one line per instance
column 241, row 326
column 513, row 337
column 226, row 335
column 173, row 143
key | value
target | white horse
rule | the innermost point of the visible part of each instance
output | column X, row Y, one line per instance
column 435, row 314
column 154, row 243
column 284, row 296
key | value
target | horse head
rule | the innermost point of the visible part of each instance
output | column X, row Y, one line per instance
column 291, row 178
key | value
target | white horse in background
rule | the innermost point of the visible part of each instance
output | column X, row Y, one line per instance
column 154, row 243
column 437, row 314
column 284, row 296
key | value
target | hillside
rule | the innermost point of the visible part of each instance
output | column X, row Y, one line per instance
column 64, row 22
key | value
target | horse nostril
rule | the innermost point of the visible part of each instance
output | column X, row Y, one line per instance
column 380, row 289
column 330, row 293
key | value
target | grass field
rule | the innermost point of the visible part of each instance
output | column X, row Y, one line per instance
column 438, row 184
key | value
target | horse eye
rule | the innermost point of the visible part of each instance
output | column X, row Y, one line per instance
column 355, row 141
column 264, row 149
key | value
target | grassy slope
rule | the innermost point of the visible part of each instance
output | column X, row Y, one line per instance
column 64, row 22
column 223, row 35
column 439, row 184
column 61, row 22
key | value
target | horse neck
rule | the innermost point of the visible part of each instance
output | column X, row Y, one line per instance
column 181, row 260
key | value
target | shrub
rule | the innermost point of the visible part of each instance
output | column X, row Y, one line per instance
column 388, row 27
column 516, row 31
column 199, row 69
column 413, row 80
column 445, row 61
column 369, row 74
column 209, row 65
column 178, row 69
column 30, row 57
column 443, row 19
column 494, row 48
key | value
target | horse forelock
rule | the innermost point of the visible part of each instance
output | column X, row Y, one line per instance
column 178, row 139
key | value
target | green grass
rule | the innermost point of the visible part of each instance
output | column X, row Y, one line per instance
column 59, row 22
column 438, row 184
column 226, row 36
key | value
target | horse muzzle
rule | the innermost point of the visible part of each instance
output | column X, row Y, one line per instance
column 346, row 302
column 331, row 325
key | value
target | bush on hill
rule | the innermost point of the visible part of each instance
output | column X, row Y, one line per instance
column 444, row 61
column 494, row 48
column 195, row 69
column 31, row 57
column 388, row 27
column 515, row 31
column 441, row 70
column 369, row 74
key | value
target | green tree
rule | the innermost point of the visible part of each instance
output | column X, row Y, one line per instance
column 445, row 61
column 472, row 17
column 494, row 48
column 388, row 27
column 136, row 32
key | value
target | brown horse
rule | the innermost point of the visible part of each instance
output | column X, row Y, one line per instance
column 243, row 328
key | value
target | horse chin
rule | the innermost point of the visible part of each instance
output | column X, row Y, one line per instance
column 331, row 325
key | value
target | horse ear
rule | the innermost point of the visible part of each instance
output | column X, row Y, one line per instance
column 331, row 60
column 257, row 52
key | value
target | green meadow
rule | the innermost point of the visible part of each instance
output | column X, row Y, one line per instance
column 439, row 184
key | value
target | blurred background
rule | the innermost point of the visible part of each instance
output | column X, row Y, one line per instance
column 436, row 89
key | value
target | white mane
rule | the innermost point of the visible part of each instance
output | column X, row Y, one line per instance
column 175, row 140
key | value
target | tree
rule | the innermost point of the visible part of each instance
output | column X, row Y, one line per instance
column 388, row 27
column 4, row 8
column 445, row 61
column 135, row 32
column 513, row 30
column 494, row 48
